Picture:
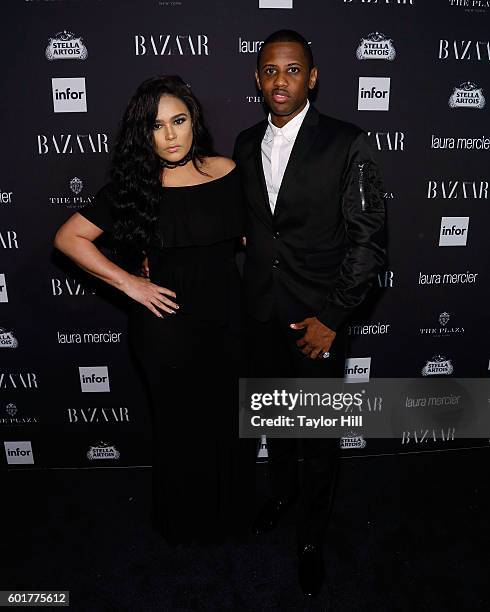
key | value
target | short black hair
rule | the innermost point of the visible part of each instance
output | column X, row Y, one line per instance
column 288, row 36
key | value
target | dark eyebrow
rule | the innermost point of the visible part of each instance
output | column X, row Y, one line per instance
column 173, row 118
column 275, row 65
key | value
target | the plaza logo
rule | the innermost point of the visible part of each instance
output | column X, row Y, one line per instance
column 18, row 380
column 438, row 365
column 64, row 144
column 454, row 231
column 443, row 331
column 69, row 95
column 109, row 337
column 465, row 144
column 466, row 50
column 372, row 329
column 8, row 239
column 94, row 379
column 376, row 46
column 98, row 415
column 454, row 190
column 380, row 2
column 3, row 289
column 13, row 417
column 387, row 141
column 103, row 451
column 467, row 95
column 352, row 440
column 7, row 339
column 5, row 197
column 357, row 369
column 449, row 278
column 374, row 94
column 275, row 4
column 471, row 6
column 19, row 452
column 69, row 286
column 73, row 201
column 66, row 45
column 171, row 44
column 254, row 99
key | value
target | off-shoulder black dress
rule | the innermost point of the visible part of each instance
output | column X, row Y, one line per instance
column 202, row 472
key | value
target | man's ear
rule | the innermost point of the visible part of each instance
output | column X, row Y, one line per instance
column 257, row 80
column 313, row 78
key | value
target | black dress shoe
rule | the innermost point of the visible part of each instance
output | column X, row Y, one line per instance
column 270, row 514
column 311, row 572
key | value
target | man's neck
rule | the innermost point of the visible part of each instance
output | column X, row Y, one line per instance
column 281, row 120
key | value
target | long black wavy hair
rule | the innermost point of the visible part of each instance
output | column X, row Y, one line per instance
column 136, row 167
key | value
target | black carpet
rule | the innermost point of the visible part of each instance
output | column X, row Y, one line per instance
column 407, row 533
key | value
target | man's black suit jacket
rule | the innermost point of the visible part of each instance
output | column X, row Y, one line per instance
column 320, row 252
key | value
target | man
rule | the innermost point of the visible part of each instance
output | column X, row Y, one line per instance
column 315, row 243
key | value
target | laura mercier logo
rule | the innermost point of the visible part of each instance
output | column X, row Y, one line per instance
column 376, row 46
column 466, row 144
column 66, row 45
column 374, row 94
column 454, row 231
column 467, row 95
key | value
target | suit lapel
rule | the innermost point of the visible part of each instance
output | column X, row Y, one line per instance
column 302, row 144
column 261, row 200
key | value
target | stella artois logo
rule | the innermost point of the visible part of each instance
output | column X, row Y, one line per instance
column 352, row 440
column 467, row 95
column 66, row 45
column 376, row 46
column 103, row 451
column 7, row 339
column 438, row 365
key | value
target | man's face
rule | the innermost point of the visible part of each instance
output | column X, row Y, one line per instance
column 285, row 79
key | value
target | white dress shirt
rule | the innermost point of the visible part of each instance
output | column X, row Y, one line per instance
column 277, row 145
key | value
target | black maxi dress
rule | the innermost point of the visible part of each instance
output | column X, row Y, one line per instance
column 203, row 474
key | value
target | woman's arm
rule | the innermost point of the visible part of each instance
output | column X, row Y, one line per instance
column 75, row 239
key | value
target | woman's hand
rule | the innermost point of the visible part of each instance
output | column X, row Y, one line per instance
column 152, row 296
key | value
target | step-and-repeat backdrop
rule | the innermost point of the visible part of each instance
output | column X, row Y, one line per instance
column 414, row 74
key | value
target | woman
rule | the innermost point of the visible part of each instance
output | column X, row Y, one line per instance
column 172, row 201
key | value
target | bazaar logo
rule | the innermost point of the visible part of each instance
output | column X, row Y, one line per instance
column 438, row 365
column 66, row 45
column 103, row 451
column 467, row 95
column 376, row 46
column 7, row 339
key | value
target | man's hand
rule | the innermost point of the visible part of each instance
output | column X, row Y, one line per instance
column 317, row 339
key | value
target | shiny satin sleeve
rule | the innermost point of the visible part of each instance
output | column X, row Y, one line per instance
column 363, row 209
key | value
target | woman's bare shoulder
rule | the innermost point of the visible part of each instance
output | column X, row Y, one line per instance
column 218, row 166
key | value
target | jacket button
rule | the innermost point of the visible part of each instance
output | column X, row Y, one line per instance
column 276, row 262
column 276, row 235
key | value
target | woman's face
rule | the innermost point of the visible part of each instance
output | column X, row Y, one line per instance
column 172, row 130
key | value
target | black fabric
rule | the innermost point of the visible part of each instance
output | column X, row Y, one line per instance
column 320, row 251
column 202, row 472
